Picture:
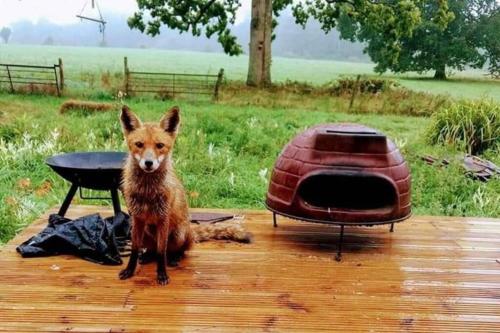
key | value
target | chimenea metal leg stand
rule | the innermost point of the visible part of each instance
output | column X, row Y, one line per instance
column 338, row 257
column 275, row 224
column 392, row 227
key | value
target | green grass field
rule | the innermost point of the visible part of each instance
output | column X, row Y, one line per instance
column 224, row 154
column 78, row 60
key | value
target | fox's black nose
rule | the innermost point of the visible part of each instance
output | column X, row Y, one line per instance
column 148, row 164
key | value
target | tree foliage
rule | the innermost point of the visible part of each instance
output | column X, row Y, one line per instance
column 453, row 34
column 195, row 16
column 490, row 27
column 5, row 34
column 395, row 19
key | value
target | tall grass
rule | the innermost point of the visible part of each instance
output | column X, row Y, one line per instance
column 471, row 126
column 381, row 97
column 22, row 195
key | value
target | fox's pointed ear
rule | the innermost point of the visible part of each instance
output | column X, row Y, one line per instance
column 129, row 120
column 170, row 121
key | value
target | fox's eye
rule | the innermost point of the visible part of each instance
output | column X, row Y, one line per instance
column 139, row 144
column 160, row 145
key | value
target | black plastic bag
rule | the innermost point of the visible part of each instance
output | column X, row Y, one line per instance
column 90, row 237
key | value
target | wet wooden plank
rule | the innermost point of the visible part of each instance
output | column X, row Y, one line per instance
column 433, row 273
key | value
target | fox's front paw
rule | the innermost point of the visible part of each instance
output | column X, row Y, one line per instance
column 163, row 278
column 126, row 273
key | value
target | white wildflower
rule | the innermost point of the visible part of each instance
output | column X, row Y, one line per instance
column 400, row 143
column 26, row 208
column 55, row 134
column 91, row 139
column 480, row 198
column 28, row 147
column 121, row 95
column 263, row 174
column 211, row 149
column 252, row 122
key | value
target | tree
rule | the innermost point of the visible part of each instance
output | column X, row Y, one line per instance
column 396, row 18
column 48, row 41
column 470, row 38
column 5, row 34
column 490, row 26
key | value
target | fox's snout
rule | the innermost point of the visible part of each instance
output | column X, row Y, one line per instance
column 149, row 162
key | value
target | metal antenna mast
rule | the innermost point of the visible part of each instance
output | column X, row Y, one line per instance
column 100, row 19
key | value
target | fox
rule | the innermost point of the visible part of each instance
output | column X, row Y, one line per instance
column 156, row 199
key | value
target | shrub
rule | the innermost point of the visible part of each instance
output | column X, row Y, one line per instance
column 106, row 80
column 473, row 126
column 89, row 79
column 372, row 86
column 400, row 101
column 293, row 95
column 37, row 89
column 165, row 94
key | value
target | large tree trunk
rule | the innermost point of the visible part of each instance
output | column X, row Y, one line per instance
column 259, row 65
column 440, row 73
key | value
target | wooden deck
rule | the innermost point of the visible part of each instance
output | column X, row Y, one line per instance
column 432, row 274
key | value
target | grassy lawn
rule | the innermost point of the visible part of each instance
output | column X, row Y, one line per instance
column 80, row 62
column 224, row 154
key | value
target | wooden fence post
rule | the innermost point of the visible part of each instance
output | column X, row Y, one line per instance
column 10, row 79
column 355, row 91
column 173, row 86
column 57, row 81
column 220, row 76
column 126, row 75
column 61, row 74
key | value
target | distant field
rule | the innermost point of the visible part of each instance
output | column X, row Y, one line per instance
column 77, row 60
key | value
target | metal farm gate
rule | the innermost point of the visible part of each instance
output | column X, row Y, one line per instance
column 32, row 78
column 170, row 85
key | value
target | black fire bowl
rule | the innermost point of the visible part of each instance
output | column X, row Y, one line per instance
column 92, row 170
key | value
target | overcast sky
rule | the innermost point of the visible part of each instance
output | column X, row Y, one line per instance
column 64, row 11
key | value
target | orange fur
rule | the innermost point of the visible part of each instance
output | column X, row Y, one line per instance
column 156, row 198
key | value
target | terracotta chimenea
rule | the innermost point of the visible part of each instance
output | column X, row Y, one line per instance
column 344, row 174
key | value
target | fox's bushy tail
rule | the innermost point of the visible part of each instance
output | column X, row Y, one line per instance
column 221, row 231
